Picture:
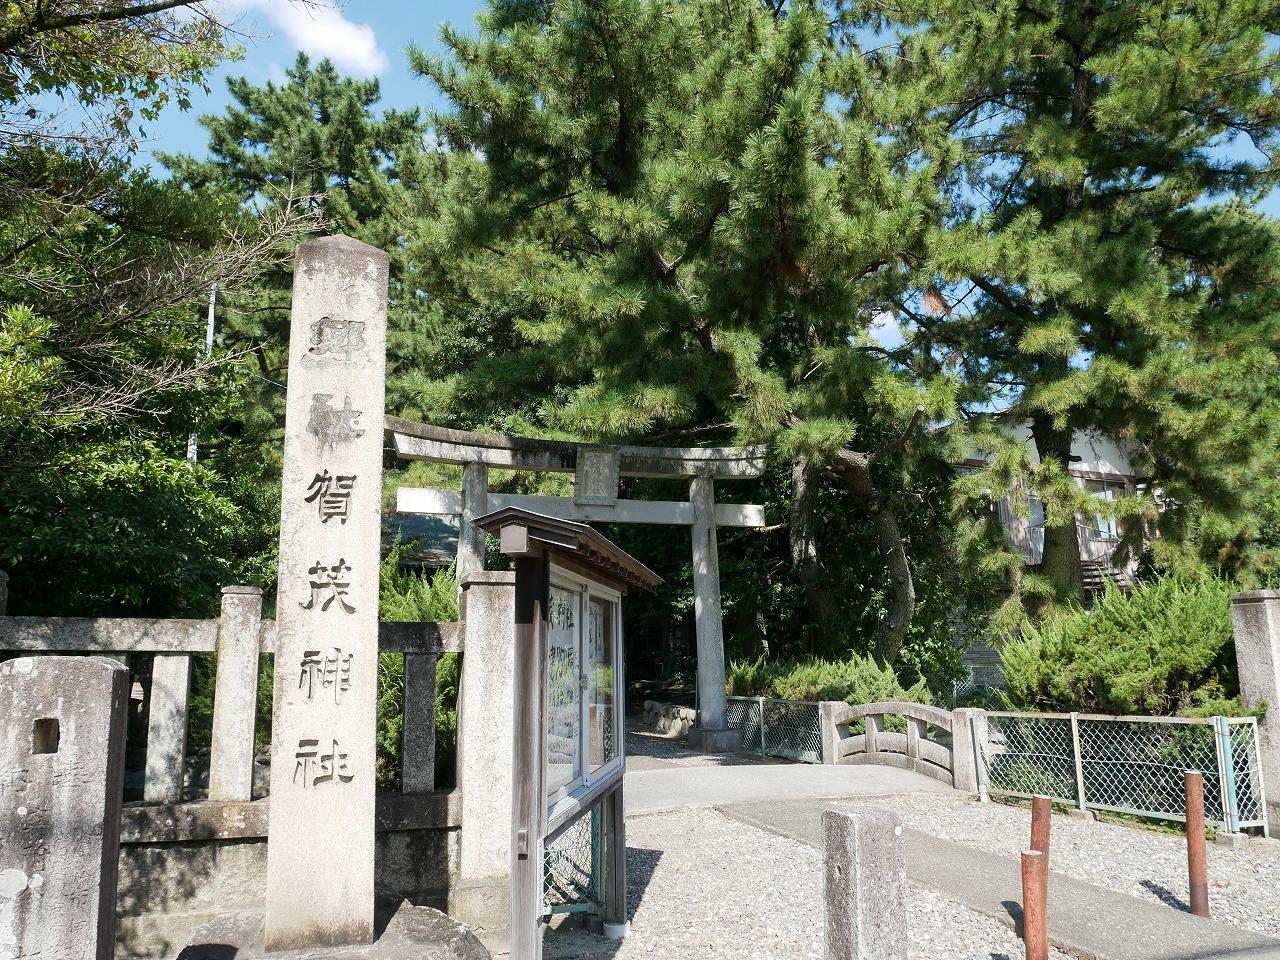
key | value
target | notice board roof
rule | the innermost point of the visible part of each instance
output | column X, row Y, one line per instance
column 522, row 531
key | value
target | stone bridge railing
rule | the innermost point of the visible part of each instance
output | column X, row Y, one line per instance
column 937, row 743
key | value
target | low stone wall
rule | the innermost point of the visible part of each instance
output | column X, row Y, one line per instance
column 181, row 865
column 669, row 719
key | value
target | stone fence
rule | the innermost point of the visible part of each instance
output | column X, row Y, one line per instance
column 184, row 858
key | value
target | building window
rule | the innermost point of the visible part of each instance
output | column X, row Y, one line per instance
column 1098, row 526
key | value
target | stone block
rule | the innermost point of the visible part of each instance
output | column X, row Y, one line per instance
column 1255, row 615
column 62, row 726
column 1231, row 841
column 714, row 741
column 866, row 885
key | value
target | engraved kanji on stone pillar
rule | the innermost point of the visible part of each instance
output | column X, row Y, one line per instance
column 321, row 837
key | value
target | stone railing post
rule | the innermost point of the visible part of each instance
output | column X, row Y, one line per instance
column 830, row 732
column 167, row 728
column 866, row 885
column 418, row 770
column 235, row 697
column 874, row 726
column 964, row 760
column 481, row 895
column 1256, row 618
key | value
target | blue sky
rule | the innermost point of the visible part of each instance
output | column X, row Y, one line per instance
column 364, row 38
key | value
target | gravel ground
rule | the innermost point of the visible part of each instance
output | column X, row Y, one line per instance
column 1128, row 859
column 705, row 887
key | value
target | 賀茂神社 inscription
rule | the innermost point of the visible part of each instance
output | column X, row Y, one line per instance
column 327, row 620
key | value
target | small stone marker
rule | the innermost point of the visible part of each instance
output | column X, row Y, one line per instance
column 320, row 849
column 62, row 725
column 866, row 888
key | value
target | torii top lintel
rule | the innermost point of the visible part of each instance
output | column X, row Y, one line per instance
column 425, row 441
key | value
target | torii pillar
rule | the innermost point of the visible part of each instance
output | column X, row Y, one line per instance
column 710, row 735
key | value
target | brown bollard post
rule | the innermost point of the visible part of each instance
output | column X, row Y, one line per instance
column 1197, row 869
column 1035, row 908
column 1041, row 821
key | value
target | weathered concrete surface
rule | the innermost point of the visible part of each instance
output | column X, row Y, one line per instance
column 171, row 887
column 235, row 700
column 404, row 932
column 1256, row 618
column 418, row 768
column 866, row 885
column 62, row 725
column 651, row 791
column 710, row 734
column 167, row 728
column 320, row 881
column 475, row 503
column 1084, row 921
column 481, row 895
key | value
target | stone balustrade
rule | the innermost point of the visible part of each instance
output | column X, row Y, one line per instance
column 937, row 743
column 174, row 836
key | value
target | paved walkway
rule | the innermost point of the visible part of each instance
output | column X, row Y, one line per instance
column 1084, row 920
column 787, row 800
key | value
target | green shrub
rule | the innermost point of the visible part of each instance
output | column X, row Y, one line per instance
column 1166, row 649
column 408, row 596
column 856, row 680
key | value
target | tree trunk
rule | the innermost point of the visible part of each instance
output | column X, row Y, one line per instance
column 805, row 564
column 892, row 628
column 1061, row 561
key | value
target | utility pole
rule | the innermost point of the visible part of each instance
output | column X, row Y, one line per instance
column 208, row 352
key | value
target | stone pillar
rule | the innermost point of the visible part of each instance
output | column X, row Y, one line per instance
column 866, row 885
column 481, row 895
column 62, row 724
column 964, row 761
column 320, row 841
column 710, row 735
column 475, row 503
column 418, row 766
column 167, row 728
column 235, row 695
column 830, row 731
column 1256, row 617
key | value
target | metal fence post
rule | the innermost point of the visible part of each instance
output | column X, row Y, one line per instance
column 1227, row 775
column 760, row 707
column 1078, row 759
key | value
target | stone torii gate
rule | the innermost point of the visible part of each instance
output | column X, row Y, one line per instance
column 597, row 469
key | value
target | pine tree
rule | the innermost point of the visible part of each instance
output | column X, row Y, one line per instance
column 317, row 135
column 1096, row 260
column 662, row 232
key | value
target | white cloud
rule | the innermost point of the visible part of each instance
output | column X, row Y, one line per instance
column 321, row 30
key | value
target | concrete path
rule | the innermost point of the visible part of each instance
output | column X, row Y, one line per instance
column 652, row 790
column 1084, row 920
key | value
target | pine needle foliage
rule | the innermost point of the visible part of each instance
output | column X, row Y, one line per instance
column 660, row 229
column 1095, row 258
column 1165, row 649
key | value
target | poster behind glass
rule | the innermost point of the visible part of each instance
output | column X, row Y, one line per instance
column 563, row 704
column 601, row 708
